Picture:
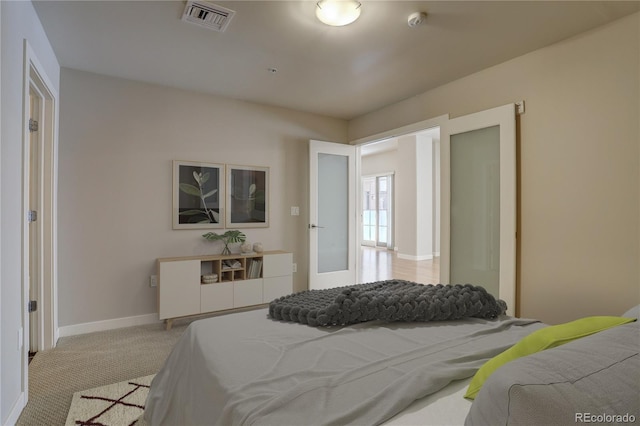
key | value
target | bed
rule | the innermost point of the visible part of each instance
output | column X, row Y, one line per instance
column 247, row 368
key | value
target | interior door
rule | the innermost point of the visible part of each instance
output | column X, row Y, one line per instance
column 478, row 218
column 332, row 215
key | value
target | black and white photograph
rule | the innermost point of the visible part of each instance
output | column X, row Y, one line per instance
column 247, row 196
column 198, row 195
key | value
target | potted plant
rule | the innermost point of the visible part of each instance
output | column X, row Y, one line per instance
column 230, row 236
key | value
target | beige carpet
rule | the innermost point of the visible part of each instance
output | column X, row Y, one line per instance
column 92, row 360
column 119, row 404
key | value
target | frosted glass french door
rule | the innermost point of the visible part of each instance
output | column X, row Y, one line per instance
column 332, row 228
column 377, row 210
column 478, row 216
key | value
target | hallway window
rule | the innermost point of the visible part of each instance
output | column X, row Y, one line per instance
column 377, row 210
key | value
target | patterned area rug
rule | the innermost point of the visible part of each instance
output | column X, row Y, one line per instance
column 119, row 404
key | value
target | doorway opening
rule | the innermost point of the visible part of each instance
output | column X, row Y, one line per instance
column 39, row 206
column 400, row 201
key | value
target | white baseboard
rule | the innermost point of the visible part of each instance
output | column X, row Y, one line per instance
column 16, row 410
column 90, row 327
column 410, row 257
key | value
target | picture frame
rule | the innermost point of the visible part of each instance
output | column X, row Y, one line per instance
column 247, row 196
column 198, row 195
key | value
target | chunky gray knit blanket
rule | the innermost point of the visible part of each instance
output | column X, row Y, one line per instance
column 391, row 300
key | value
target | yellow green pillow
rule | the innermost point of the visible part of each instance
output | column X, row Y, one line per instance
column 539, row 340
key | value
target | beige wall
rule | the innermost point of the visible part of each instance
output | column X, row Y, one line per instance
column 383, row 162
column 579, row 165
column 117, row 142
column 414, row 197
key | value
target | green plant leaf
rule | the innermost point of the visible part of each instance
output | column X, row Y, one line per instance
column 204, row 178
column 231, row 236
column 235, row 236
column 212, row 236
column 196, row 176
column 210, row 193
column 189, row 189
column 191, row 212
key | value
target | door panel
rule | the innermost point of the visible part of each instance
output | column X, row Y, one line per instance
column 475, row 208
column 332, row 235
column 478, row 218
column 333, row 213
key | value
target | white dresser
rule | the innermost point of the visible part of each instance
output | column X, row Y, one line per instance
column 195, row 285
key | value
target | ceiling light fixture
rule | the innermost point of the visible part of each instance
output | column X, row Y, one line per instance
column 338, row 12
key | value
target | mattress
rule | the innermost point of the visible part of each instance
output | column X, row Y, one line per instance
column 246, row 368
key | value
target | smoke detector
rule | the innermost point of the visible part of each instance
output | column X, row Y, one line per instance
column 416, row 18
column 207, row 15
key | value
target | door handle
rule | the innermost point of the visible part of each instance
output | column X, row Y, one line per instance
column 313, row 226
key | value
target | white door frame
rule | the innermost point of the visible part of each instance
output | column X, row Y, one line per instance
column 503, row 116
column 36, row 81
column 420, row 126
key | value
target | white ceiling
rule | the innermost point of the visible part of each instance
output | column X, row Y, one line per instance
column 336, row 71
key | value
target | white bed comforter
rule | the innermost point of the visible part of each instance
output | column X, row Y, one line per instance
column 247, row 369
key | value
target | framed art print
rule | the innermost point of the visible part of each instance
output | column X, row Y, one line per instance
column 247, row 197
column 198, row 195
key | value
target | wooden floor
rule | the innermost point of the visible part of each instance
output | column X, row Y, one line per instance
column 378, row 264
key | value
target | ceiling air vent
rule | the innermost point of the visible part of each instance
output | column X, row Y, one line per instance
column 207, row 15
